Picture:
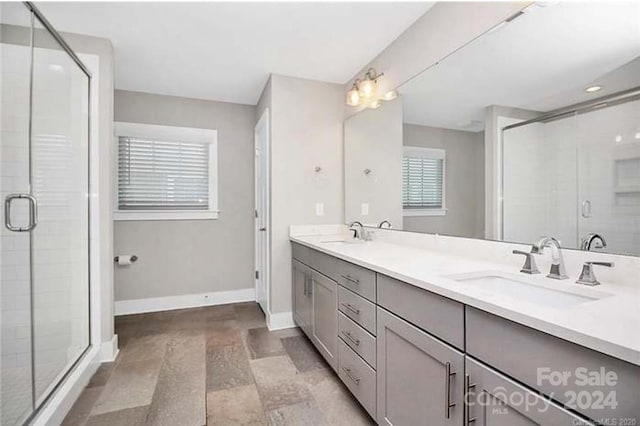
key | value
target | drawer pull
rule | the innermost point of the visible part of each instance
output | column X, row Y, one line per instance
column 353, row 340
column 347, row 371
column 349, row 307
column 351, row 279
column 447, row 389
column 467, row 387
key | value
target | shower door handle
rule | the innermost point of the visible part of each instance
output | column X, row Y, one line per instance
column 33, row 212
column 586, row 209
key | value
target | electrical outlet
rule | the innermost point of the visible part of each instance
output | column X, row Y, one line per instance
column 364, row 209
column 319, row 209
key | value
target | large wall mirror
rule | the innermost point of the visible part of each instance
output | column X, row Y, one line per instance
column 532, row 129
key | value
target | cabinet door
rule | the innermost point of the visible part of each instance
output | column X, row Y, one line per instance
column 325, row 317
column 419, row 378
column 302, row 296
column 496, row 400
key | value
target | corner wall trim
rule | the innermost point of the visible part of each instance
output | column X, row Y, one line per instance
column 109, row 350
column 155, row 304
column 280, row 321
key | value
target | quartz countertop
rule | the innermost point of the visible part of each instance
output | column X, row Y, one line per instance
column 609, row 324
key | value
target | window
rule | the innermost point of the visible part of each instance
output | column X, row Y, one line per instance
column 423, row 181
column 165, row 173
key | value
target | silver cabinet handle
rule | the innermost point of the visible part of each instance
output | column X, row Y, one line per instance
column 467, row 387
column 33, row 212
column 447, row 389
column 351, row 279
column 347, row 371
column 353, row 340
column 348, row 307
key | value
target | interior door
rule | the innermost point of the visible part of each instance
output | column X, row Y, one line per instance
column 60, row 184
column 262, row 192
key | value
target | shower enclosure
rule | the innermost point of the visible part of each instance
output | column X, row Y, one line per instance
column 44, row 179
column 576, row 174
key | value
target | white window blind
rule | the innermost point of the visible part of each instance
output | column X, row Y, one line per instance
column 423, row 179
column 162, row 175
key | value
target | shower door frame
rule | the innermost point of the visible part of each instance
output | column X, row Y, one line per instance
column 40, row 403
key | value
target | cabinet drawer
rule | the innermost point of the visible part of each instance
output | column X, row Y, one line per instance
column 358, row 376
column 323, row 263
column 436, row 314
column 357, row 279
column 300, row 253
column 358, row 339
column 358, row 309
column 530, row 356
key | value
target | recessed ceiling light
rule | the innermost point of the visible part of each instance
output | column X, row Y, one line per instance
column 56, row 67
column 618, row 138
column 593, row 89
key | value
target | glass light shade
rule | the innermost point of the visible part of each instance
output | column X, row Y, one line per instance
column 367, row 88
column 353, row 97
column 375, row 104
column 390, row 95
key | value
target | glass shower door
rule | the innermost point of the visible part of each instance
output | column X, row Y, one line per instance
column 16, row 398
column 60, row 241
column 44, row 244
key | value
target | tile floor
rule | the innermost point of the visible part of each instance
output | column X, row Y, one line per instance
column 217, row 365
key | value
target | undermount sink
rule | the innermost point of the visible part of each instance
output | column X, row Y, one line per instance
column 349, row 241
column 537, row 293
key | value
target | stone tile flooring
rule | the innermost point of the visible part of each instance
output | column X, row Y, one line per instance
column 217, row 365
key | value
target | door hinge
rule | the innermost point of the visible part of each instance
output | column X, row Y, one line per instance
column 257, row 275
column 256, row 213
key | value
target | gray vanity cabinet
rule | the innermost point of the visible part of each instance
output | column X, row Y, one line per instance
column 496, row 400
column 419, row 378
column 302, row 292
column 324, row 322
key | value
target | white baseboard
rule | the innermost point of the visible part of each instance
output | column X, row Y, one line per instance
column 155, row 304
column 280, row 320
column 109, row 350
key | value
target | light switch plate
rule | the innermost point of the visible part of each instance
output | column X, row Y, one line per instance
column 364, row 209
column 319, row 209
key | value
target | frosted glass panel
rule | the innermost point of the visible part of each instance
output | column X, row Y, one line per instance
column 60, row 184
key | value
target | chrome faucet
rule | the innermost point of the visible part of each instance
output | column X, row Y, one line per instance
column 592, row 240
column 557, row 271
column 529, row 266
column 357, row 232
column 587, row 277
column 384, row 222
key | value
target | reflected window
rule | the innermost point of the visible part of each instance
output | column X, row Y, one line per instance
column 423, row 181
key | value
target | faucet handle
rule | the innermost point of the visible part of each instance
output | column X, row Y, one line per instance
column 587, row 277
column 529, row 266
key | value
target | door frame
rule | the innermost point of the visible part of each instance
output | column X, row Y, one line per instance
column 262, row 245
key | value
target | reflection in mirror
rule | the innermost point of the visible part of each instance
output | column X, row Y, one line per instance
column 532, row 129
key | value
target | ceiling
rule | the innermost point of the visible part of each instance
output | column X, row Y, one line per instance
column 226, row 51
column 541, row 61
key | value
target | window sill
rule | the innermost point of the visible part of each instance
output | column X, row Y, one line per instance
column 125, row 215
column 424, row 212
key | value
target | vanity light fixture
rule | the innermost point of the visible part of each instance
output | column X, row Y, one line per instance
column 369, row 86
column 593, row 89
column 364, row 92
column 353, row 95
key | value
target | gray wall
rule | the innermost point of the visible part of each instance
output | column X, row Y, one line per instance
column 464, row 181
column 199, row 256
column 306, row 131
column 373, row 140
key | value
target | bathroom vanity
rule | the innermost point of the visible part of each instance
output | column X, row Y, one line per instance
column 411, row 331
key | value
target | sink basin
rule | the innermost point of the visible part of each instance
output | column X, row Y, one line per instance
column 349, row 241
column 536, row 293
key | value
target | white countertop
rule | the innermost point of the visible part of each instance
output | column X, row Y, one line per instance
column 610, row 325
